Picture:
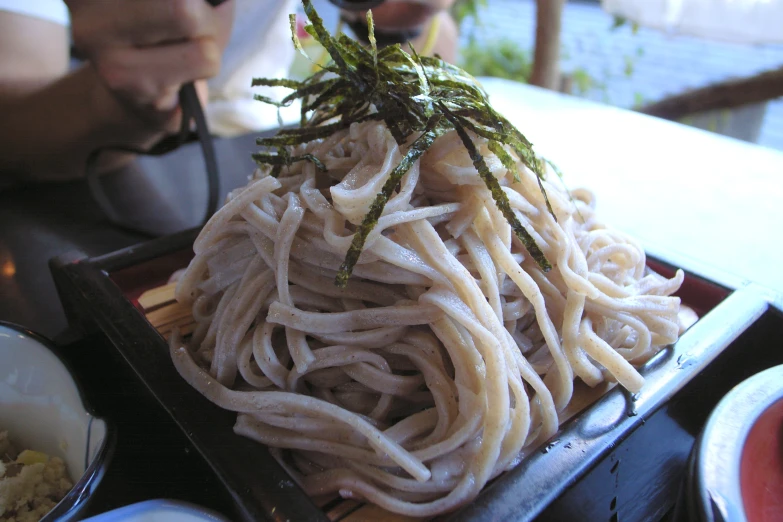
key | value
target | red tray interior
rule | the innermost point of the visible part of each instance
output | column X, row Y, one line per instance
column 137, row 279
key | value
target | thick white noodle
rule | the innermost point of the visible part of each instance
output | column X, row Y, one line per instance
column 450, row 354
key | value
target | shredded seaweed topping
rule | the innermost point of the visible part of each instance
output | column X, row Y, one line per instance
column 419, row 98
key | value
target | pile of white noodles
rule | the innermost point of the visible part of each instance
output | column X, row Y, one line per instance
column 450, row 353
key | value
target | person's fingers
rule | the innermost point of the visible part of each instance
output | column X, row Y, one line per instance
column 202, row 91
column 151, row 77
column 225, row 20
column 101, row 24
column 143, row 51
column 168, row 20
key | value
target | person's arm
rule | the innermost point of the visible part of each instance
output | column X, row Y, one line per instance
column 140, row 52
column 53, row 118
column 33, row 56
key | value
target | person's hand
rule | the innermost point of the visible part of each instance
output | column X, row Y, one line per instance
column 144, row 50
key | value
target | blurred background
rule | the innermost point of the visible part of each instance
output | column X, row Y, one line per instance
column 685, row 60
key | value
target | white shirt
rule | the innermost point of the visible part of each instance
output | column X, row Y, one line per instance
column 51, row 10
column 260, row 46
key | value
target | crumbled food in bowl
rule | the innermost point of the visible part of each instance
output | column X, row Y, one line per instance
column 31, row 483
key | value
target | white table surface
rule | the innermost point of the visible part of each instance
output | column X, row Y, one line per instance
column 707, row 203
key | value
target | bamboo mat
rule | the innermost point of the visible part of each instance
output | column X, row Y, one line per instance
column 164, row 313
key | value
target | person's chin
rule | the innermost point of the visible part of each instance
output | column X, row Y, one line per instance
column 401, row 16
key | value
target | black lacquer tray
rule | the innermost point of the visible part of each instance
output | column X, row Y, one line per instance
column 563, row 479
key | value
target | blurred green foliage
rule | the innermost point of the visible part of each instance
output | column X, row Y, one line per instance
column 503, row 58
column 620, row 21
column 462, row 9
column 583, row 81
column 499, row 58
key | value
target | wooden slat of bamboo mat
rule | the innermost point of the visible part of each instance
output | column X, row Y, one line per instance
column 165, row 313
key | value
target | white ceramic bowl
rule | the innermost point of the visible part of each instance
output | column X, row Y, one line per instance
column 42, row 408
column 735, row 472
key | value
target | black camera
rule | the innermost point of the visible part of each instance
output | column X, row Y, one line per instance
column 356, row 5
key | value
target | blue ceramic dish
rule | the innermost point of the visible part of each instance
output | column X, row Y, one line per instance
column 159, row 511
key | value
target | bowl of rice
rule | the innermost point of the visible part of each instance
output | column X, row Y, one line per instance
column 53, row 449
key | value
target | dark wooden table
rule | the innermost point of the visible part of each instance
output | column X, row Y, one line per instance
column 154, row 460
column 159, row 195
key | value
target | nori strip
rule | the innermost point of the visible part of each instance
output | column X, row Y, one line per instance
column 286, row 159
column 505, row 158
column 501, row 200
column 415, row 151
column 414, row 96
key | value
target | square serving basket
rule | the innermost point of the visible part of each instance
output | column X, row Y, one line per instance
column 617, row 454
